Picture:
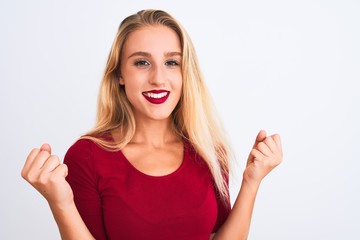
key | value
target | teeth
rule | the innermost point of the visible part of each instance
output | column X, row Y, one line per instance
column 155, row 95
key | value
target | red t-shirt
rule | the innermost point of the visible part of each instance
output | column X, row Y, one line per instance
column 117, row 201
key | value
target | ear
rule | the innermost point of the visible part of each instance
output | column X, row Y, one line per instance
column 121, row 81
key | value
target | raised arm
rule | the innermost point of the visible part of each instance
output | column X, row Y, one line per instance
column 47, row 175
column 264, row 157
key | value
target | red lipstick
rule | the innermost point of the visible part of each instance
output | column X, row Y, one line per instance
column 156, row 96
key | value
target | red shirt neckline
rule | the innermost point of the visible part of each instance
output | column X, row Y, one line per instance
column 171, row 174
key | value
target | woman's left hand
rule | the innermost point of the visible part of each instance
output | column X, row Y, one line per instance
column 264, row 157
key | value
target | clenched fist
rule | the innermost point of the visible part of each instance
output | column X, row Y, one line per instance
column 47, row 174
column 265, row 155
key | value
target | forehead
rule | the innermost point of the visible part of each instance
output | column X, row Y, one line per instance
column 156, row 39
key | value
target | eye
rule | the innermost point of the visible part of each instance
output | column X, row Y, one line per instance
column 172, row 63
column 141, row 63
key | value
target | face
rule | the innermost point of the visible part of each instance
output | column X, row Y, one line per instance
column 151, row 72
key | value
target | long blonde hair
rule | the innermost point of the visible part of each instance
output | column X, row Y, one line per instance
column 194, row 117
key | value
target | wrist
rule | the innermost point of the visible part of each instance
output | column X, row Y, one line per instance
column 62, row 207
column 252, row 184
column 69, row 221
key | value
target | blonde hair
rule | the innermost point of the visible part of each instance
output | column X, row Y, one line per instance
column 194, row 117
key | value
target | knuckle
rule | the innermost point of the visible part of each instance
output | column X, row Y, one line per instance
column 23, row 173
column 53, row 179
column 32, row 178
column 277, row 138
column 63, row 167
column 277, row 161
column 54, row 159
column 42, row 179
column 28, row 176
column 261, row 144
column 260, row 164
column 253, row 152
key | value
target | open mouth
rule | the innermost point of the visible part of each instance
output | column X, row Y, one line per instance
column 156, row 96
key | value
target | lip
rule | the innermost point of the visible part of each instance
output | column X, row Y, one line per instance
column 156, row 96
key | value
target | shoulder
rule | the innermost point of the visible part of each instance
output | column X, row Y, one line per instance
column 84, row 158
column 82, row 167
column 81, row 147
column 86, row 148
column 82, row 150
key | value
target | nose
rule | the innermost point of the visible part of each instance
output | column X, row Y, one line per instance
column 157, row 76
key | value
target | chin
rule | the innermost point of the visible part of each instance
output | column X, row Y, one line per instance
column 161, row 117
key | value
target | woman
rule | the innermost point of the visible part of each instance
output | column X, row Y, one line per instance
column 156, row 164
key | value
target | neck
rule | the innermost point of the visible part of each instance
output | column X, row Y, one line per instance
column 155, row 133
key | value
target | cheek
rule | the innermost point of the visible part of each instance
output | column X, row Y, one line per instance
column 131, row 89
column 134, row 85
column 177, row 81
column 180, row 85
column 133, row 80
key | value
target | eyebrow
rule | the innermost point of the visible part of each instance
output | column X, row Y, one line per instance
column 146, row 54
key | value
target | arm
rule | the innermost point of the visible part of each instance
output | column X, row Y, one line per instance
column 237, row 224
column 47, row 175
column 70, row 223
column 265, row 156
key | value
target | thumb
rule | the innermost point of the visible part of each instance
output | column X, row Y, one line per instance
column 260, row 137
column 46, row 147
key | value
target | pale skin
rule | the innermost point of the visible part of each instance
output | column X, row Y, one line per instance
column 150, row 61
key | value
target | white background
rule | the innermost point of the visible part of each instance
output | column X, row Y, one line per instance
column 291, row 67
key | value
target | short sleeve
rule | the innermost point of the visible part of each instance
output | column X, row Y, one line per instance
column 83, row 181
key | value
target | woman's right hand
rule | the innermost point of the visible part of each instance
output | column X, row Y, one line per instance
column 47, row 174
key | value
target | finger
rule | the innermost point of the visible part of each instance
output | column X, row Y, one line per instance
column 51, row 163
column 256, row 154
column 260, row 137
column 46, row 147
column 61, row 171
column 269, row 141
column 29, row 160
column 40, row 159
column 264, row 149
column 277, row 139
